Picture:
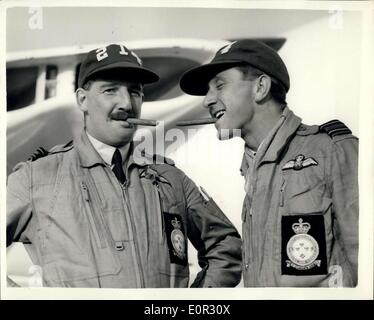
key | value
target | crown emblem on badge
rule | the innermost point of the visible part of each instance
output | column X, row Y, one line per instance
column 302, row 249
column 176, row 223
column 301, row 227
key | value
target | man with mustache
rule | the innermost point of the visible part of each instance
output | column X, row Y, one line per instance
column 300, row 213
column 91, row 215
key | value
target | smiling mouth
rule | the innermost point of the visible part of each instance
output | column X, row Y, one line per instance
column 219, row 114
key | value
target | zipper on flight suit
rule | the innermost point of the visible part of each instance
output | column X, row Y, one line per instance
column 138, row 270
column 251, row 254
column 281, row 193
column 92, row 214
column 248, row 256
column 253, row 244
column 160, row 215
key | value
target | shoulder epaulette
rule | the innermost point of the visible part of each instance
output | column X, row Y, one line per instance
column 61, row 147
column 41, row 152
column 334, row 128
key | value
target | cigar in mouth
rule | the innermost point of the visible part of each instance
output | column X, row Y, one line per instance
column 195, row 122
column 125, row 117
column 142, row 122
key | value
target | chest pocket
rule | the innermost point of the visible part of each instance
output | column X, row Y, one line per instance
column 304, row 191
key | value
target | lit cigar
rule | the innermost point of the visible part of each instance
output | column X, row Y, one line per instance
column 196, row 122
column 142, row 122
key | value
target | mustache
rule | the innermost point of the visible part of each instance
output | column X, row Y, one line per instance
column 122, row 115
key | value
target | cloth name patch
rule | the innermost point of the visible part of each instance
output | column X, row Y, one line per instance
column 303, row 245
column 176, row 238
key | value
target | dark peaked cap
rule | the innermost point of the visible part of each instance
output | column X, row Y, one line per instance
column 114, row 57
column 255, row 53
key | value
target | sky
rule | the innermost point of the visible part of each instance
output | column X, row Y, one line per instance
column 76, row 26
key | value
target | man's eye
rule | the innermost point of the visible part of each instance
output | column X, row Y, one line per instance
column 136, row 93
column 109, row 90
column 219, row 85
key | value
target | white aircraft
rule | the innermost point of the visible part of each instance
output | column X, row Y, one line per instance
column 40, row 91
column 41, row 108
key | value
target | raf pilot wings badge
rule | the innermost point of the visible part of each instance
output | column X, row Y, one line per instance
column 299, row 163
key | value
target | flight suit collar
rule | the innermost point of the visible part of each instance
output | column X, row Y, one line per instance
column 274, row 145
column 87, row 154
column 89, row 157
column 106, row 151
column 273, row 148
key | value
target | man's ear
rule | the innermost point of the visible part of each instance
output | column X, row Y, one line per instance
column 81, row 97
column 262, row 88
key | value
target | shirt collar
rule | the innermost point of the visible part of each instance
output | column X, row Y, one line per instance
column 106, row 151
column 89, row 156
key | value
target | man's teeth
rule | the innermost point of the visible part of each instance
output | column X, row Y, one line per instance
column 219, row 114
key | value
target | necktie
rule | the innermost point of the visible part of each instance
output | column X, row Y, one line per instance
column 117, row 166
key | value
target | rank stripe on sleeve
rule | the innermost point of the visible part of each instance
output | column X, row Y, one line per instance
column 335, row 128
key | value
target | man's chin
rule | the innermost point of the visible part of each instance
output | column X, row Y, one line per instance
column 124, row 138
column 226, row 134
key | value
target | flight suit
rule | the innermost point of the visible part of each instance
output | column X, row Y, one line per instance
column 300, row 213
column 85, row 229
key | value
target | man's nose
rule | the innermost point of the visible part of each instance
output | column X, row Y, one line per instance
column 124, row 99
column 210, row 99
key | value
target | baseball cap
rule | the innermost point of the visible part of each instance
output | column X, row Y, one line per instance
column 255, row 53
column 114, row 56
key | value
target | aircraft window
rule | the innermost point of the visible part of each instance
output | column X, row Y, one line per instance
column 50, row 81
column 21, row 85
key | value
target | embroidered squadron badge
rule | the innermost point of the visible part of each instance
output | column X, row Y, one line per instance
column 303, row 245
column 299, row 163
column 176, row 238
column 302, row 249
